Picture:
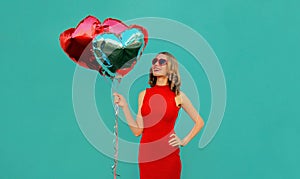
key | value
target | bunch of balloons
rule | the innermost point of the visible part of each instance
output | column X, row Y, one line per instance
column 112, row 48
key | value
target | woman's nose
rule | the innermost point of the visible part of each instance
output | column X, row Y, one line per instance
column 157, row 63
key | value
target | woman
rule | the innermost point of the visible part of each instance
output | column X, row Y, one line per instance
column 158, row 106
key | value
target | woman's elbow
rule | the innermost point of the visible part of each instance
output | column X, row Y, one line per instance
column 138, row 133
column 200, row 124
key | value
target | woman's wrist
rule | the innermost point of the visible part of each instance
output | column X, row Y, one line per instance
column 184, row 142
column 125, row 106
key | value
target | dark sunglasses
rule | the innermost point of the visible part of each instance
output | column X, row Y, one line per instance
column 161, row 61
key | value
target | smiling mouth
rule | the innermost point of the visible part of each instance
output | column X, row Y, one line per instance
column 156, row 69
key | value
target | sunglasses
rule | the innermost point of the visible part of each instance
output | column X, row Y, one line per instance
column 161, row 61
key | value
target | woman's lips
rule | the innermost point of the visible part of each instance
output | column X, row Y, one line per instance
column 156, row 69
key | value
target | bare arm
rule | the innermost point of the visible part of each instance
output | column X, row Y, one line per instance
column 194, row 115
column 135, row 126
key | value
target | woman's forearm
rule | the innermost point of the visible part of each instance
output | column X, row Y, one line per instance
column 197, row 127
column 131, row 122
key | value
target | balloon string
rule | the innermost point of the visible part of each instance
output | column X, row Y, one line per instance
column 115, row 84
column 115, row 141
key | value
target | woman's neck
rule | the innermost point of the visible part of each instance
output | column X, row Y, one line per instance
column 161, row 81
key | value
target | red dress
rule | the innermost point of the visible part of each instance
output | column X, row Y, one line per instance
column 157, row 159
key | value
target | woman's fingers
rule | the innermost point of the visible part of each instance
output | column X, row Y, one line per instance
column 175, row 141
column 116, row 97
column 116, row 94
column 172, row 135
column 119, row 99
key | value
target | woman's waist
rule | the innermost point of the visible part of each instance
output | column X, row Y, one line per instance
column 153, row 135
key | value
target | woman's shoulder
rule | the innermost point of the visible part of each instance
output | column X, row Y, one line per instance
column 146, row 89
column 141, row 96
column 180, row 97
column 142, row 93
column 181, row 93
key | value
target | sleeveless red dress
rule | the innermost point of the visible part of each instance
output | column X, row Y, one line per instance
column 157, row 158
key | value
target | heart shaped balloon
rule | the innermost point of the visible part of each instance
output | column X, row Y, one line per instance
column 76, row 42
column 118, row 53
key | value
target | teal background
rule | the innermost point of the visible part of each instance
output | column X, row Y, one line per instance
column 257, row 43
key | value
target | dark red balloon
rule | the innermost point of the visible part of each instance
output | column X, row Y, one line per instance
column 113, row 26
column 77, row 42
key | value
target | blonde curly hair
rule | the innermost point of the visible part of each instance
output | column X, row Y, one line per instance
column 172, row 73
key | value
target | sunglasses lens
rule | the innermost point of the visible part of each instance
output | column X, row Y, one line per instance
column 154, row 61
column 162, row 61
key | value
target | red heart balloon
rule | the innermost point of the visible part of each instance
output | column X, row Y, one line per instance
column 87, row 29
column 113, row 26
column 76, row 42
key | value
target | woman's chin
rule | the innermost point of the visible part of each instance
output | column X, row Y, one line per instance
column 158, row 74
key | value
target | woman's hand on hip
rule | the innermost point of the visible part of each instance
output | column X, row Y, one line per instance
column 175, row 141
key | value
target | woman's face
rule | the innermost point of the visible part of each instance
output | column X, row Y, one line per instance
column 159, row 65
